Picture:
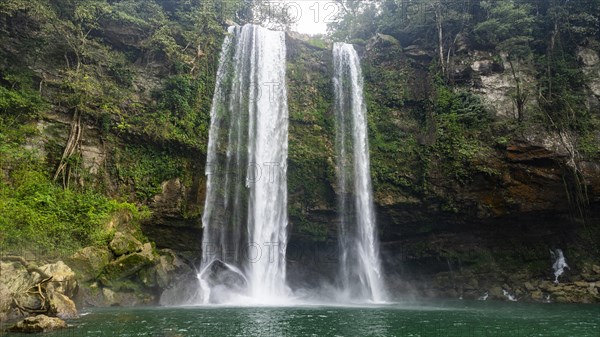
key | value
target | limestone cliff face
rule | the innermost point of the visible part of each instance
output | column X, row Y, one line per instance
column 471, row 195
column 480, row 203
column 510, row 172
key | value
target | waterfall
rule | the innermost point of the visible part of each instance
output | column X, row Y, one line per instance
column 245, row 211
column 360, row 268
column 559, row 263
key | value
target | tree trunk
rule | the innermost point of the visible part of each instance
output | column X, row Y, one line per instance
column 438, row 20
column 520, row 96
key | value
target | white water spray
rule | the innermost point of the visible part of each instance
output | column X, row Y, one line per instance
column 360, row 268
column 245, row 212
column 509, row 296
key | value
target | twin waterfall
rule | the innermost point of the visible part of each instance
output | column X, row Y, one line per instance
column 360, row 270
column 245, row 214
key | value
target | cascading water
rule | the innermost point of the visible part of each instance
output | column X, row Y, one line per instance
column 245, row 213
column 559, row 264
column 360, row 267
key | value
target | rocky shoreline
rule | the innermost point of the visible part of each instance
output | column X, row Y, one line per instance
column 582, row 288
column 127, row 272
column 130, row 273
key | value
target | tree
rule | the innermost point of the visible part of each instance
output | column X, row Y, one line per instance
column 509, row 28
column 358, row 20
column 451, row 18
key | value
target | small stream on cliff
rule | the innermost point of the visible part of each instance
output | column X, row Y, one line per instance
column 454, row 318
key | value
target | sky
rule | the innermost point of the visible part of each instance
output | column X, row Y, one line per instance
column 310, row 16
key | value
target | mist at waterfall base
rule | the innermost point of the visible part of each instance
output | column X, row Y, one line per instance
column 245, row 215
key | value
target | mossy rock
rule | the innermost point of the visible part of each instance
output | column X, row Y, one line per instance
column 89, row 262
column 124, row 243
column 387, row 41
column 39, row 323
column 166, row 269
column 127, row 265
column 124, row 299
column 62, row 307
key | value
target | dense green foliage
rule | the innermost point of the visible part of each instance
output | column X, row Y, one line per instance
column 138, row 69
column 426, row 125
column 526, row 33
column 311, row 149
column 142, row 169
column 143, row 72
column 138, row 66
column 39, row 215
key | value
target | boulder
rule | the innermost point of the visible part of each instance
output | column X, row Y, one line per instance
column 472, row 284
column 63, row 278
column 546, row 285
column 463, row 45
column 382, row 41
column 98, row 296
column 124, row 243
column 28, row 300
column 61, row 306
column 171, row 199
column 529, row 286
column 169, row 267
column 89, row 262
column 125, row 299
column 451, row 293
column 496, row 293
column 127, row 265
column 39, row 323
column 164, row 272
column 537, row 295
column 224, row 280
column 486, row 67
column 148, row 276
column 15, row 281
column 221, row 273
column 16, row 277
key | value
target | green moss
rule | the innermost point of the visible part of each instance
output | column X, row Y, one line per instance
column 311, row 150
column 141, row 169
column 396, row 157
column 19, row 105
column 316, row 231
column 460, row 118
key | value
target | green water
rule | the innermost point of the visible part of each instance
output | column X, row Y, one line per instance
column 472, row 319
